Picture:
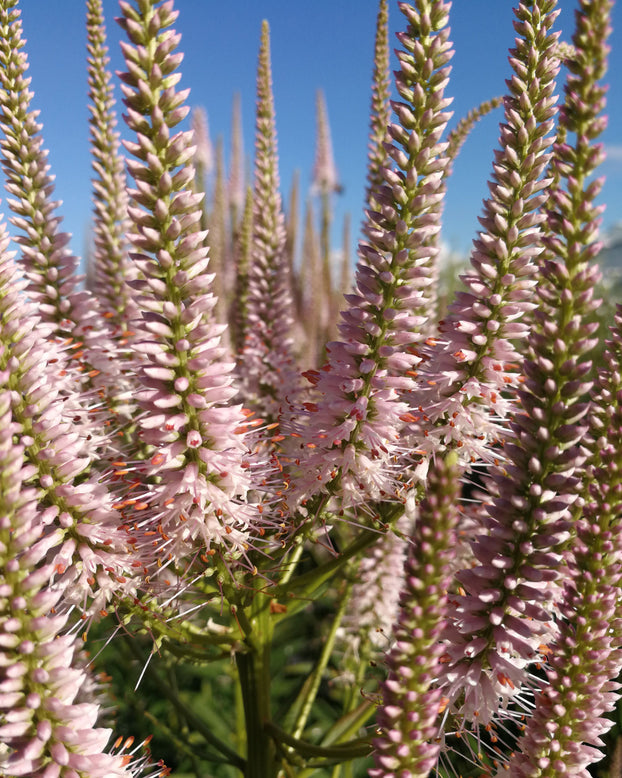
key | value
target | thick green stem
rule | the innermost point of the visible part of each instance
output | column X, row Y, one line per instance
column 254, row 671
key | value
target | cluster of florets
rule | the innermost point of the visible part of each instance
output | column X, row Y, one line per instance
column 219, row 471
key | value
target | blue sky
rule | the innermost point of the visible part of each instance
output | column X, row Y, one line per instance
column 325, row 44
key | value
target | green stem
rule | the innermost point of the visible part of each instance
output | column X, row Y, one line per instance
column 343, row 751
column 304, row 585
column 254, row 671
column 289, row 567
column 240, row 722
column 310, row 693
column 350, row 724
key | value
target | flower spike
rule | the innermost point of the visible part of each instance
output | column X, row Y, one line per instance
column 373, row 607
column 197, row 433
column 506, row 615
column 112, row 266
column 354, row 427
column 380, row 106
column 407, row 719
column 88, row 550
column 218, row 235
column 564, row 734
column 586, row 658
column 325, row 176
column 235, row 185
column 238, row 310
column 49, row 267
column 311, row 289
column 469, row 367
column 46, row 731
column 266, row 363
column 204, row 155
column 325, row 182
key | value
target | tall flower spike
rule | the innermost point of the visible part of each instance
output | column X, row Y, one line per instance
column 407, row 743
column 354, row 429
column 325, row 177
column 311, row 288
column 235, row 185
column 464, row 380
column 87, row 549
column 291, row 242
column 571, row 242
column 204, row 154
column 345, row 278
column 46, row 731
column 534, row 514
column 325, row 182
column 563, row 736
column 189, row 417
column 218, row 236
column 112, row 265
column 238, row 310
column 49, row 267
column 268, row 373
column 380, row 105
column 204, row 162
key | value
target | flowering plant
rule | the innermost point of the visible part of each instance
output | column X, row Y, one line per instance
column 397, row 551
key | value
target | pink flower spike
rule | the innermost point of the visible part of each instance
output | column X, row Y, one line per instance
column 86, row 549
column 42, row 727
column 325, row 176
column 469, row 367
column 267, row 370
column 50, row 268
column 111, row 268
column 355, row 426
column 407, row 742
column 201, row 504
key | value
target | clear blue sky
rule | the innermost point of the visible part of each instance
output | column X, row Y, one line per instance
column 325, row 43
